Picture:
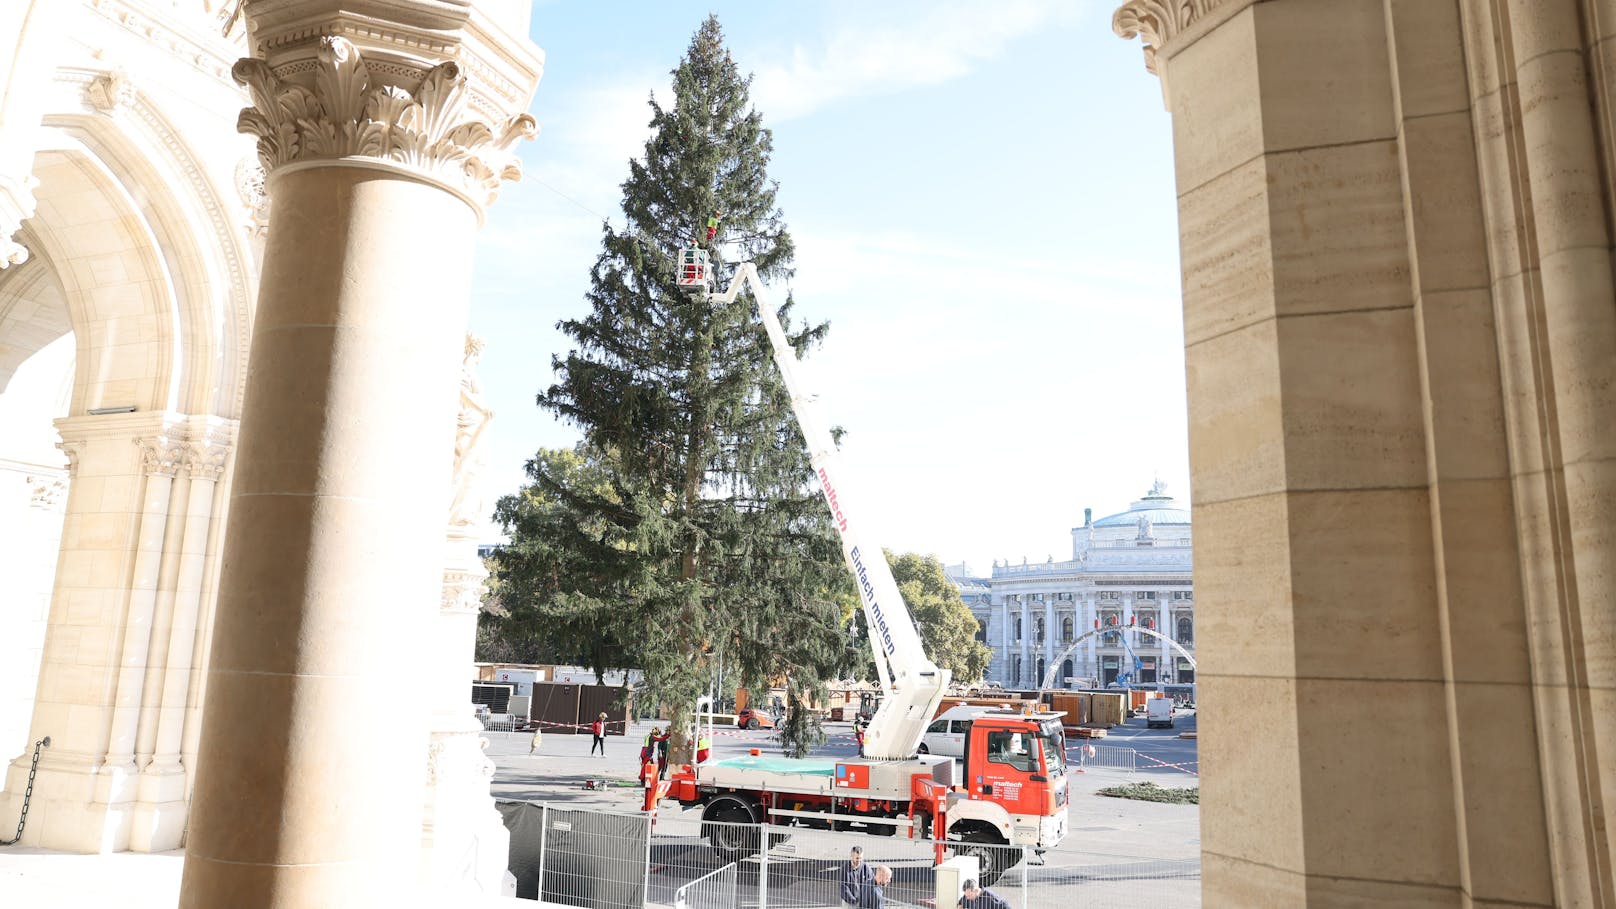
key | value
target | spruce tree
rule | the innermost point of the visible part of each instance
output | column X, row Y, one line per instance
column 713, row 538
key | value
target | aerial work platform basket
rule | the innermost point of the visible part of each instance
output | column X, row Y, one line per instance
column 695, row 270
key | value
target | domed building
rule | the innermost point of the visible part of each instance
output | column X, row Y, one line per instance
column 1127, row 569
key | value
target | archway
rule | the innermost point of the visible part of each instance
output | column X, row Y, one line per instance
column 134, row 253
column 1061, row 659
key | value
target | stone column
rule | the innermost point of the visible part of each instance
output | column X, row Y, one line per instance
column 98, row 654
column 1399, row 344
column 163, row 790
column 381, row 159
column 1091, row 656
column 1004, row 640
column 1051, row 633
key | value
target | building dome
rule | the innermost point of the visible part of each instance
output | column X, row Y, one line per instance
column 1159, row 507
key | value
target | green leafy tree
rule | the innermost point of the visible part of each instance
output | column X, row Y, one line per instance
column 713, row 541
column 557, row 589
column 947, row 627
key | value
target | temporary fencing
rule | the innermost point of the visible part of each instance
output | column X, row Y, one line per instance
column 1083, row 756
column 595, row 859
column 599, row 859
column 713, row 890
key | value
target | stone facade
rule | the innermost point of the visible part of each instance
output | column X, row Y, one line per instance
column 176, row 178
column 1128, row 571
column 1400, row 342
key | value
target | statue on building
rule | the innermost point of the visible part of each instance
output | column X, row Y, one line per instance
column 465, row 508
column 1144, row 527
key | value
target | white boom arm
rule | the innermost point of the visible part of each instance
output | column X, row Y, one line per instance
column 914, row 685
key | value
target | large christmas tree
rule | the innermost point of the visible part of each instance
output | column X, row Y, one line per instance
column 703, row 537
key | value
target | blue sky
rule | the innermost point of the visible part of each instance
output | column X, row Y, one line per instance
column 982, row 198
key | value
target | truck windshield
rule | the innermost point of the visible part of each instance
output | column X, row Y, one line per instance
column 1054, row 739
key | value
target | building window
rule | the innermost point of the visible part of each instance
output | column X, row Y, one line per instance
column 1038, row 630
column 1066, row 631
column 1186, row 631
column 1145, row 595
column 982, row 630
column 1018, row 635
column 1015, row 671
column 1063, row 597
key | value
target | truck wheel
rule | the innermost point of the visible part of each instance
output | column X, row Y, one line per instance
column 722, row 828
column 752, row 723
column 993, row 856
column 924, row 750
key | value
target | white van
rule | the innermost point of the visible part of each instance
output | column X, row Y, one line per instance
column 1159, row 713
column 946, row 734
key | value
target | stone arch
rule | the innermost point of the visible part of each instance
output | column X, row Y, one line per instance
column 194, row 236
column 137, row 250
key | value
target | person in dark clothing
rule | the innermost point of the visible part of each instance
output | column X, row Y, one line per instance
column 977, row 898
column 874, row 895
column 855, row 877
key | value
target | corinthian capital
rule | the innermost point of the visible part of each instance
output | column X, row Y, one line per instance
column 348, row 113
column 1157, row 21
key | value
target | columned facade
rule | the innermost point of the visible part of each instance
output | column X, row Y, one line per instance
column 1035, row 612
column 1400, row 339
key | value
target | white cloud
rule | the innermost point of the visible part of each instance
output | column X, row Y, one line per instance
column 887, row 49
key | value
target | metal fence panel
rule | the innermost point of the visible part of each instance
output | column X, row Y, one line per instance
column 715, row 890
column 598, row 860
column 593, row 859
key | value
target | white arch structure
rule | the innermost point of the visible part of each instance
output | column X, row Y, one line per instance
column 1055, row 663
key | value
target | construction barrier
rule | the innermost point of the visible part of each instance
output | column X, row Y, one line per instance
column 603, row 859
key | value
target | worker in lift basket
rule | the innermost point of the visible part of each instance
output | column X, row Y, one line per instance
column 977, row 898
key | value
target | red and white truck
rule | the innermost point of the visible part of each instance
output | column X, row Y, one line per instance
column 1013, row 789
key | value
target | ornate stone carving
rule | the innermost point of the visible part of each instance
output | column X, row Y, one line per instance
column 349, row 113
column 179, row 43
column 465, row 508
column 206, row 461
column 1157, row 21
column 161, row 456
column 254, row 195
column 462, row 592
column 46, row 492
column 110, row 92
column 72, row 448
column 17, row 204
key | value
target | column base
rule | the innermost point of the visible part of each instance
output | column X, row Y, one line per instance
column 73, row 809
column 158, row 822
column 464, row 843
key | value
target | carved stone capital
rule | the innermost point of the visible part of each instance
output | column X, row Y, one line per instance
column 161, row 456
column 1156, row 22
column 17, row 204
column 342, row 110
column 206, row 461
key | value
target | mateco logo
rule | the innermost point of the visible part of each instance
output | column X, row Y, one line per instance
column 830, row 496
column 869, row 597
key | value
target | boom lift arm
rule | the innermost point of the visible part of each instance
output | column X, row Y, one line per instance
column 914, row 685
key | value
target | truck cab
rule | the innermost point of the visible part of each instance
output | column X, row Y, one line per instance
column 1015, row 787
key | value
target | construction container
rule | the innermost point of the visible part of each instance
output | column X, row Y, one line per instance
column 1108, row 708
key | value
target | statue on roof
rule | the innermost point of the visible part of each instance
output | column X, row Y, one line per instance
column 1158, row 488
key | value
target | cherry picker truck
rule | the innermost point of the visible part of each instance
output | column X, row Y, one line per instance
column 1013, row 791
